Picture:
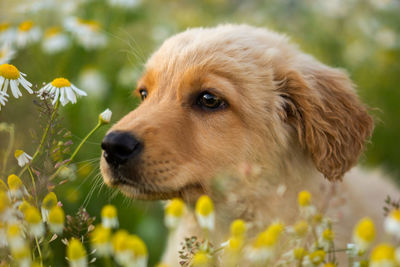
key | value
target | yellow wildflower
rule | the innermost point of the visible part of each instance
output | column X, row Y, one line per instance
column 205, row 212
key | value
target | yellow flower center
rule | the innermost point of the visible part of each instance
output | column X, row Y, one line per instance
column 92, row 24
column 100, row 235
column 395, row 214
column 270, row 236
column 18, row 153
column 200, row 258
column 13, row 230
column 120, row 241
column 235, row 243
column 317, row 257
column 383, row 252
column 4, row 26
column 238, row 228
column 365, row 230
column 9, row 71
column 25, row 26
column 24, row 206
column 301, row 228
column 14, row 182
column 304, row 198
column 328, row 234
column 56, row 215
column 330, row 264
column 21, row 253
column 49, row 201
column 299, row 253
column 32, row 215
column 204, row 206
column 109, row 211
column 75, row 250
column 137, row 246
column 52, row 31
column 175, row 207
column 60, row 82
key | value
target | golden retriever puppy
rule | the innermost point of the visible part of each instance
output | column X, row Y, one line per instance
column 244, row 104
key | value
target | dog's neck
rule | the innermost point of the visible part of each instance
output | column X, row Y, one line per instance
column 261, row 191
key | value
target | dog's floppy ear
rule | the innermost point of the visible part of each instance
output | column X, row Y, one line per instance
column 330, row 121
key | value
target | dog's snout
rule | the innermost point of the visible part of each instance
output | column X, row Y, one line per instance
column 119, row 147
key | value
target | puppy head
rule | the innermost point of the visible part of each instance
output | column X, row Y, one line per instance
column 215, row 98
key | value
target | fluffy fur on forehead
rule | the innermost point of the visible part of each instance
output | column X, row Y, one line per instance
column 223, row 46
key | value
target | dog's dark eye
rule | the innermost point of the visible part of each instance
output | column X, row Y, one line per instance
column 143, row 93
column 210, row 101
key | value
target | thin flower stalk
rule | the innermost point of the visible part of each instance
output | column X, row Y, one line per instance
column 99, row 124
column 45, row 133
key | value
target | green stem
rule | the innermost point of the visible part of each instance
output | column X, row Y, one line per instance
column 41, row 141
column 77, row 149
column 9, row 148
column 107, row 261
column 39, row 251
column 34, row 185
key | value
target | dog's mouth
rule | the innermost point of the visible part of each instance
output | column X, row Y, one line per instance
column 142, row 188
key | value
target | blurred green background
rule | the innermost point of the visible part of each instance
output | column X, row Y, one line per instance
column 362, row 36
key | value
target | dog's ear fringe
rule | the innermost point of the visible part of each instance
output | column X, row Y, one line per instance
column 330, row 121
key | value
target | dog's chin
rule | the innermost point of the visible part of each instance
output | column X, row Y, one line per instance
column 188, row 193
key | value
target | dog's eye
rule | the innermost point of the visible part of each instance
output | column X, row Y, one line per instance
column 143, row 93
column 209, row 101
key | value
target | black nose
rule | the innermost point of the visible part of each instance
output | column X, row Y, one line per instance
column 119, row 147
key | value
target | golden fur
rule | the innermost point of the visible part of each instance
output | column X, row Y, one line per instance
column 290, row 120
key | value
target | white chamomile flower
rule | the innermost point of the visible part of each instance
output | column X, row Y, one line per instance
column 56, row 219
column 27, row 33
column 15, row 237
column 263, row 247
column 34, row 220
column 93, row 81
column 10, row 75
column 49, row 202
column 205, row 213
column 364, row 234
column 6, row 53
column 105, row 116
column 16, row 188
column 100, row 240
column 174, row 210
column 55, row 41
column 61, row 89
column 124, row 3
column 22, row 157
column 7, row 33
column 3, row 98
column 392, row 223
column 22, row 256
column 76, row 253
column 87, row 32
column 109, row 217
column 90, row 35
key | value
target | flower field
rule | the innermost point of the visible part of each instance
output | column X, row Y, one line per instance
column 68, row 69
